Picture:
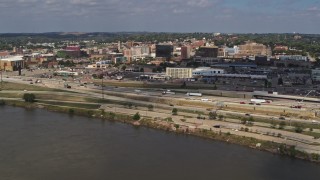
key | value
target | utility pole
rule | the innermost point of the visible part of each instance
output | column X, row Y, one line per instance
column 102, row 87
column 1, row 80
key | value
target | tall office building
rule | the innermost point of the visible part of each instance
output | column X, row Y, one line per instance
column 185, row 52
column 207, row 51
column 164, row 51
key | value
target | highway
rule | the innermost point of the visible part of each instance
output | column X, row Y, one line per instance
column 164, row 110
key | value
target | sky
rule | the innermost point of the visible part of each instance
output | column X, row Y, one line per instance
column 225, row 16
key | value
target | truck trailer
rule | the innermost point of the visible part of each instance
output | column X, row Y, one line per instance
column 194, row 94
column 258, row 101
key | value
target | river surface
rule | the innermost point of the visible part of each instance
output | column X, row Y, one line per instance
column 40, row 145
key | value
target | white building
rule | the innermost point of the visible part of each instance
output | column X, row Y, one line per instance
column 293, row 57
column 206, row 71
column 180, row 73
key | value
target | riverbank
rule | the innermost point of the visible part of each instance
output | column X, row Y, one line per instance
column 169, row 126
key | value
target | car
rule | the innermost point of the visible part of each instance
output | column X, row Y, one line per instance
column 282, row 118
column 69, row 87
column 251, row 103
column 242, row 103
column 247, row 114
column 217, row 126
column 258, row 104
column 31, row 82
column 298, row 106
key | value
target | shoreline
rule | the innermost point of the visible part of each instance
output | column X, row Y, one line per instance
column 252, row 143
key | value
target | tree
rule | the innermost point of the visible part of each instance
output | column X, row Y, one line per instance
column 243, row 120
column 280, row 81
column 71, row 111
column 136, row 116
column 2, row 102
column 174, row 111
column 29, row 97
column 250, row 120
column 212, row 115
column 298, row 128
column 123, row 68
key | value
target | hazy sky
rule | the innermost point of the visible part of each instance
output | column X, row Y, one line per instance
column 238, row 16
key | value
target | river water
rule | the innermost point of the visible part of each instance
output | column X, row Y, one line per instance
column 40, row 145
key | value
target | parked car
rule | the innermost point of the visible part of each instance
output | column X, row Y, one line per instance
column 282, row 118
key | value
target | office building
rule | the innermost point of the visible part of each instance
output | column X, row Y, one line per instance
column 179, row 73
column 207, row 51
column 254, row 49
column 165, row 51
column 185, row 52
column 12, row 63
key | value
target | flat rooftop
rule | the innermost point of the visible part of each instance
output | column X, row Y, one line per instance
column 12, row 58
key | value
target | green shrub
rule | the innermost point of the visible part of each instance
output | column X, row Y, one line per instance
column 298, row 128
column 71, row 111
column 212, row 115
column 136, row 116
column 174, row 111
column 315, row 156
column 90, row 113
column 28, row 97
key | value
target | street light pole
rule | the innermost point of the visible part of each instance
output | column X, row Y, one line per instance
column 1, row 80
column 290, row 121
column 102, row 88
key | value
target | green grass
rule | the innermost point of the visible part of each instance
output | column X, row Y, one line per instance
column 153, row 85
column 276, row 121
column 17, row 87
column 72, row 104
column 11, row 95
column 310, row 133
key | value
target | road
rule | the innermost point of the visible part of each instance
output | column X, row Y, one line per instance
column 164, row 110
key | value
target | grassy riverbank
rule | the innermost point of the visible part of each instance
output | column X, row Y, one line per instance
column 90, row 110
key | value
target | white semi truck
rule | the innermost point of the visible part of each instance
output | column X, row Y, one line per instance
column 258, row 101
column 168, row 92
column 194, row 94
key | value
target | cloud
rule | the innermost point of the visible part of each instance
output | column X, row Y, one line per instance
column 156, row 15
